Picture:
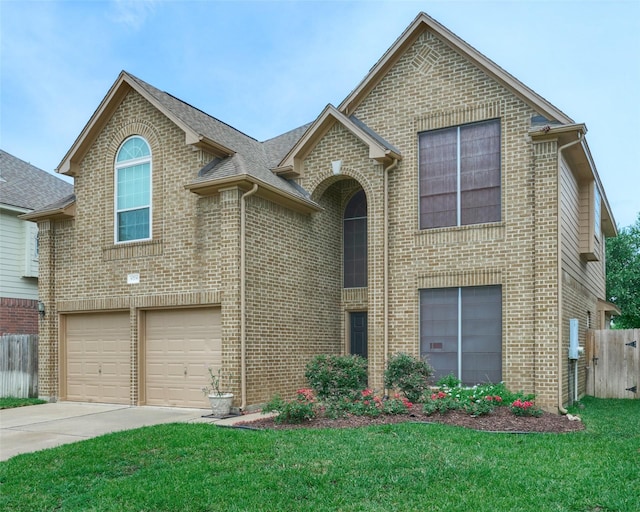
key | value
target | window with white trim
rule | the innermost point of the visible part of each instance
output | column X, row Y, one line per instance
column 461, row 332
column 133, row 191
column 460, row 175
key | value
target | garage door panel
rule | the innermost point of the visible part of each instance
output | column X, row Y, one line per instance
column 180, row 345
column 97, row 357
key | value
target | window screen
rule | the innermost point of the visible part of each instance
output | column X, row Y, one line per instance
column 355, row 242
column 461, row 332
column 460, row 175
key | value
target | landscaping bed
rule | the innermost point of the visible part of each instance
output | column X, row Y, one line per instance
column 499, row 420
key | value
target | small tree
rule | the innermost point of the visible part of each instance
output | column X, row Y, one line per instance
column 623, row 275
column 408, row 374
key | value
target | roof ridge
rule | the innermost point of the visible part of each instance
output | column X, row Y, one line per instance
column 191, row 106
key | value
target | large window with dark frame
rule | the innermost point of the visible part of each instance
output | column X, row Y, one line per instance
column 461, row 332
column 460, row 175
column 354, row 234
column 133, row 191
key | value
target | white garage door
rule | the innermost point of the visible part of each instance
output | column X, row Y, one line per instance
column 180, row 345
column 98, row 358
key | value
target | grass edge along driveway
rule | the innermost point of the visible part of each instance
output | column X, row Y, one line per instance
column 200, row 467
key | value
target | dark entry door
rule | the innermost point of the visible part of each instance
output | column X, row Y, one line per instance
column 358, row 333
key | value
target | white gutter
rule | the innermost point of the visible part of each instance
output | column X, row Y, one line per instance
column 243, row 299
column 385, row 292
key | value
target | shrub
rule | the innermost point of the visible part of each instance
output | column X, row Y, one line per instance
column 367, row 405
column 525, row 408
column 448, row 381
column 482, row 406
column 337, row 377
column 441, row 402
column 300, row 409
column 396, row 405
column 408, row 374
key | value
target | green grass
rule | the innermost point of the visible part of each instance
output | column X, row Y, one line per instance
column 9, row 402
column 200, row 467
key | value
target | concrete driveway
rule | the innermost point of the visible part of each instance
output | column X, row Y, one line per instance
column 33, row 428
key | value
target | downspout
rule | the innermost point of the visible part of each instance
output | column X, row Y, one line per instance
column 385, row 285
column 243, row 298
column 559, row 277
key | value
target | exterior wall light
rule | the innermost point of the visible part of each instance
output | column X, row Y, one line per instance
column 41, row 309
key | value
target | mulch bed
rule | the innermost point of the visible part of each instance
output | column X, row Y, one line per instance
column 500, row 420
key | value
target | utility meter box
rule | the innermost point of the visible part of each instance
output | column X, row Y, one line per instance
column 574, row 345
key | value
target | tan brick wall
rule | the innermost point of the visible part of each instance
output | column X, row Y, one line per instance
column 296, row 306
column 84, row 270
column 515, row 253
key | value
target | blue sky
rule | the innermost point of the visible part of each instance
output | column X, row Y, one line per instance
column 265, row 67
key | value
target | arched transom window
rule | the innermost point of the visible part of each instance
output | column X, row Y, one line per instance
column 355, row 242
column 133, row 191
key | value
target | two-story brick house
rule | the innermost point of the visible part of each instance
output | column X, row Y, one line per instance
column 442, row 209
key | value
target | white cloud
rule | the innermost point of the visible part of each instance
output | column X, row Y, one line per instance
column 132, row 13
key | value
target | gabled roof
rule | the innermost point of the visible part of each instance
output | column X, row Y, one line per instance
column 26, row 187
column 240, row 159
column 424, row 22
column 201, row 130
column 379, row 149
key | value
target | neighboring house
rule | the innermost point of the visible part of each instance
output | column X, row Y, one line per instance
column 23, row 188
column 442, row 209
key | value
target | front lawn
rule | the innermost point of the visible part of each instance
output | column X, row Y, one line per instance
column 9, row 402
column 200, row 467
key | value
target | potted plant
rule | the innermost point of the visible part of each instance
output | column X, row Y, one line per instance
column 220, row 401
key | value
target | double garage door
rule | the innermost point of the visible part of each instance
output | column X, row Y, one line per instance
column 176, row 348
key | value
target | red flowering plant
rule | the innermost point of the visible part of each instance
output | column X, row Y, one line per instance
column 482, row 405
column 522, row 407
column 397, row 405
column 440, row 401
column 302, row 408
column 369, row 404
column 366, row 405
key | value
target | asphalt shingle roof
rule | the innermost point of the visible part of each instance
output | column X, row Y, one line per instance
column 250, row 157
column 23, row 185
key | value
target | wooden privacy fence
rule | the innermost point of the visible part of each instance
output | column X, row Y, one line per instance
column 613, row 363
column 19, row 365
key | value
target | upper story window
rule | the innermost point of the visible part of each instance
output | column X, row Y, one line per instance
column 354, row 236
column 460, row 175
column 133, row 191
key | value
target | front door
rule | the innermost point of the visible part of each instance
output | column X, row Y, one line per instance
column 358, row 333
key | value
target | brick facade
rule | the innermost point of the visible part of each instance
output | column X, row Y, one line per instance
column 18, row 316
column 295, row 305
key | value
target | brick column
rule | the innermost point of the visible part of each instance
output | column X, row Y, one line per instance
column 230, row 276
column 546, row 287
column 48, row 325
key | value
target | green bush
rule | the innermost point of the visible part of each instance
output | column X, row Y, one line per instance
column 441, row 402
column 336, row 377
column 408, row 374
column 300, row 409
column 448, row 381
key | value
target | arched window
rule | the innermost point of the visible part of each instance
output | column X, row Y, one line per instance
column 133, row 191
column 355, row 242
